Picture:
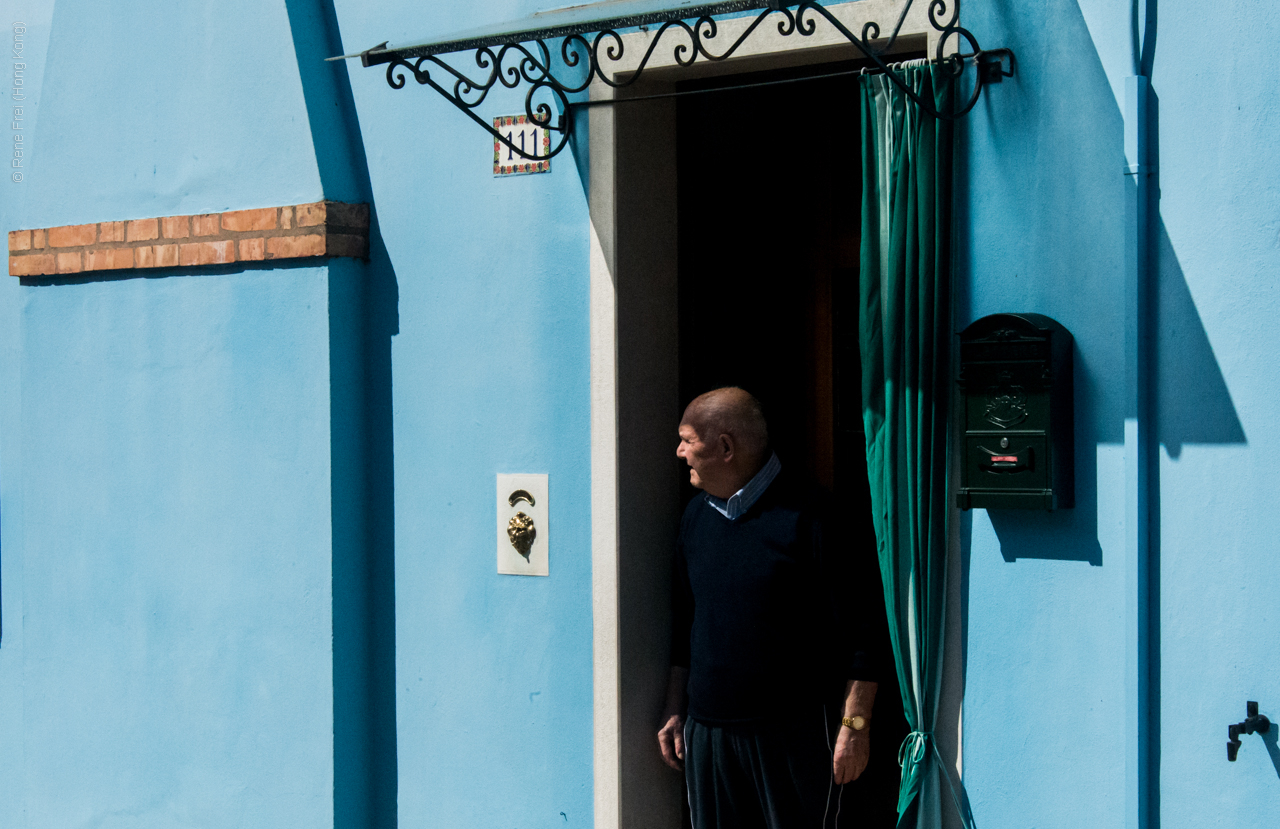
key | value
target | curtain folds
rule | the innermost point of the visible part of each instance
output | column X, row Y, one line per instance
column 904, row 334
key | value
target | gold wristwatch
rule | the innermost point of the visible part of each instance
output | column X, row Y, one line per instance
column 856, row 723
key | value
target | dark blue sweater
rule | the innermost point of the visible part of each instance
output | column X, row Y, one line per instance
column 768, row 613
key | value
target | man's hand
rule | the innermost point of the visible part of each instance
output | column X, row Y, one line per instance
column 671, row 735
column 671, row 741
column 853, row 750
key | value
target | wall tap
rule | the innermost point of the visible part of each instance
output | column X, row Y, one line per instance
column 1252, row 723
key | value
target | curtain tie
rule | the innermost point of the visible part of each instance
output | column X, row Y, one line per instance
column 912, row 752
column 913, row 749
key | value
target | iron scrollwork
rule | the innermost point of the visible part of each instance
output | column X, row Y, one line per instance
column 593, row 55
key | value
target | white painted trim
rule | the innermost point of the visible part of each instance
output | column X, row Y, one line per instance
column 606, row 691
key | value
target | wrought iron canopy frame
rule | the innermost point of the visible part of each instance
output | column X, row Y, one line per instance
column 590, row 51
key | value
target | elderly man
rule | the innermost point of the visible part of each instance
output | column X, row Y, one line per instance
column 764, row 635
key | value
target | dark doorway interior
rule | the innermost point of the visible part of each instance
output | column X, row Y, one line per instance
column 768, row 195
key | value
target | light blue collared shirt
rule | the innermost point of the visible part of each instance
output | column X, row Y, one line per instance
column 742, row 500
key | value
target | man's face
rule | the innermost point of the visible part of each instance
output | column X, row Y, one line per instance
column 701, row 457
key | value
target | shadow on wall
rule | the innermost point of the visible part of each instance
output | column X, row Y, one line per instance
column 1078, row 268
column 1192, row 401
column 363, row 317
column 1270, row 740
column 1193, row 406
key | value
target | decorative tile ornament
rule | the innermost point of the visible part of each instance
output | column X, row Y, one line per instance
column 525, row 135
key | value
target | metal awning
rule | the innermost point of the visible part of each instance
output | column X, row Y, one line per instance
column 590, row 48
column 561, row 22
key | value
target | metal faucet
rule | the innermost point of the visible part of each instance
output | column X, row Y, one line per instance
column 1253, row 722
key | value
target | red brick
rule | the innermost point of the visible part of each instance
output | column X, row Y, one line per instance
column 111, row 231
column 144, row 230
column 205, row 225
column 339, row 214
column 111, row 259
column 291, row 247
column 19, row 240
column 70, row 236
column 156, row 256
column 37, row 239
column 240, row 220
column 166, row 256
column 207, row 253
column 341, row 244
column 310, row 215
column 32, row 265
column 252, row 249
column 176, row 227
column 286, row 218
column 69, row 262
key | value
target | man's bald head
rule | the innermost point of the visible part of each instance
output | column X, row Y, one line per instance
column 730, row 411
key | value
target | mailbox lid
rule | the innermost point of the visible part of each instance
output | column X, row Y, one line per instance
column 1013, row 349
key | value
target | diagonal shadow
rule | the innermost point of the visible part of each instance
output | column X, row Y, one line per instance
column 1270, row 740
column 1192, row 403
column 1190, row 399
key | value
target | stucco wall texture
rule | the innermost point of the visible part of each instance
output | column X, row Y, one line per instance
column 189, row 495
column 1042, row 229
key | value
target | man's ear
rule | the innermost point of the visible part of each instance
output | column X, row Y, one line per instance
column 727, row 447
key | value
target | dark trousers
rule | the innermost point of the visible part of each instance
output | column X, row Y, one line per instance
column 768, row 775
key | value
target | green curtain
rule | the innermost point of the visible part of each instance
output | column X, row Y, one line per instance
column 904, row 333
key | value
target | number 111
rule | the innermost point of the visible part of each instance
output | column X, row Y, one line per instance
column 533, row 140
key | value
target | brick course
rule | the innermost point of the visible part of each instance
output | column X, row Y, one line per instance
column 108, row 259
column 142, row 230
column 175, row 227
column 71, row 236
column 292, row 232
column 206, row 225
column 111, row 232
column 264, row 219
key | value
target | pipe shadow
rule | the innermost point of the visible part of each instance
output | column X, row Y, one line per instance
column 363, row 317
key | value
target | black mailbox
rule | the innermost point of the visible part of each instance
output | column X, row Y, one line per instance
column 1017, row 435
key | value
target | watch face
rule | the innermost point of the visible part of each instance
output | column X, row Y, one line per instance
column 856, row 723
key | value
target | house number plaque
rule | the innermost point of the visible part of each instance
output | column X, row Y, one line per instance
column 525, row 136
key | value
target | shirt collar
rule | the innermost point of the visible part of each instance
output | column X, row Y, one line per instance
column 742, row 500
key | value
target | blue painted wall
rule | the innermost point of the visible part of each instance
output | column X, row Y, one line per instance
column 1042, row 217
column 1219, row 475
column 176, row 632
column 13, row 196
column 167, row 651
column 247, row 570
column 490, row 374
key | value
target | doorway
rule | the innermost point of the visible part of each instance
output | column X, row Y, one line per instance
column 768, row 244
column 725, row 248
